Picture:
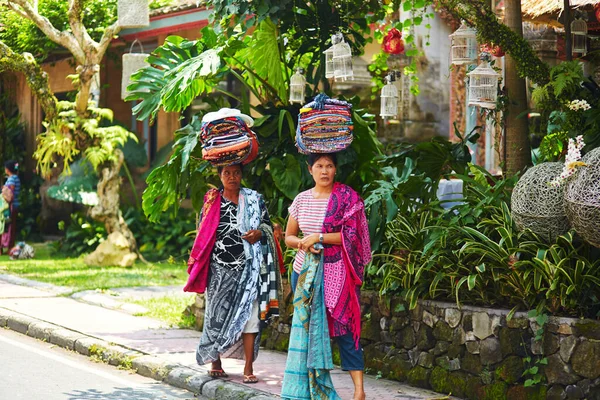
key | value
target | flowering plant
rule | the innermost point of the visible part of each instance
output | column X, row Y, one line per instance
column 572, row 161
column 577, row 105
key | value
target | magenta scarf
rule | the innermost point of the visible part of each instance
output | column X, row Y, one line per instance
column 198, row 263
column 345, row 264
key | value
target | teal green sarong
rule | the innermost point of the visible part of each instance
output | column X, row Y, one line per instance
column 307, row 372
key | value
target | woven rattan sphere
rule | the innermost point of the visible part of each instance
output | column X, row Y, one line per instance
column 538, row 206
column 582, row 199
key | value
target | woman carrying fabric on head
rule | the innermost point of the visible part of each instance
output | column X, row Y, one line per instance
column 10, row 193
column 234, row 262
column 325, row 283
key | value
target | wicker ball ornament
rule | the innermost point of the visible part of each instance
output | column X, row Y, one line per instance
column 582, row 199
column 538, row 206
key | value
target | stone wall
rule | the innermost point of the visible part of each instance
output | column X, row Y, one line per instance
column 472, row 352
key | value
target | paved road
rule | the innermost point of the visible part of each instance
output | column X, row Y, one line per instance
column 34, row 370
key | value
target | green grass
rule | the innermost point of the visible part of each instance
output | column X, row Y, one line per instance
column 169, row 309
column 72, row 272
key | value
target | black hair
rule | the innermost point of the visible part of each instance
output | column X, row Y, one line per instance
column 220, row 168
column 314, row 157
column 12, row 166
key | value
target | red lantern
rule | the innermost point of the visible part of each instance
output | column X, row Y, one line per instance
column 393, row 43
column 494, row 50
column 597, row 10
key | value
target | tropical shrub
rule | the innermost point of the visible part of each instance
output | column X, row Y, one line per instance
column 472, row 253
column 569, row 106
column 82, row 235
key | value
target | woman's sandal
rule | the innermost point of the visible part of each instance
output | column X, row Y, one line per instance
column 217, row 373
column 250, row 378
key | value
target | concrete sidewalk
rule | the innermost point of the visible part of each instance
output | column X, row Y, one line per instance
column 151, row 348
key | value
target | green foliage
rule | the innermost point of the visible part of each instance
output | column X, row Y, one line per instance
column 265, row 54
column 474, row 254
column 22, row 35
column 559, row 122
column 12, row 140
column 77, row 187
column 410, row 176
column 190, row 64
column 70, row 133
column 29, row 211
column 170, row 238
column 82, row 235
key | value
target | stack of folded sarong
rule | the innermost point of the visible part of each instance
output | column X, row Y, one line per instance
column 324, row 126
column 227, row 139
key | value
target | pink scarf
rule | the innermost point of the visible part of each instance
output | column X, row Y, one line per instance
column 198, row 263
column 345, row 264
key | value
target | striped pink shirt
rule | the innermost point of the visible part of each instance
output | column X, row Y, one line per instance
column 310, row 214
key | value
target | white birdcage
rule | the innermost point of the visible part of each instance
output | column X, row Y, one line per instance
column 579, row 33
column 342, row 60
column 132, row 62
column 297, row 87
column 133, row 13
column 329, row 63
column 464, row 45
column 483, row 85
column 389, row 98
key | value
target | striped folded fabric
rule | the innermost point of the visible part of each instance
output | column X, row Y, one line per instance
column 228, row 141
column 324, row 126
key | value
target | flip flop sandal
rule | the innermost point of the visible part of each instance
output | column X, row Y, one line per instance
column 250, row 378
column 217, row 373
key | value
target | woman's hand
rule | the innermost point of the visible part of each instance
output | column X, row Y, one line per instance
column 252, row 236
column 308, row 242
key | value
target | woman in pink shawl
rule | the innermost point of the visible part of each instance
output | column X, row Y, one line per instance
column 234, row 262
column 332, row 220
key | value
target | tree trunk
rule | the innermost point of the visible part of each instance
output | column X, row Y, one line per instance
column 87, row 83
column 517, row 152
column 108, row 210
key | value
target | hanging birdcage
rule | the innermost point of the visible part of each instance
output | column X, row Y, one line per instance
column 342, row 59
column 133, row 13
column 298, row 87
column 389, row 98
column 579, row 33
column 483, row 85
column 464, row 45
column 132, row 62
column 329, row 63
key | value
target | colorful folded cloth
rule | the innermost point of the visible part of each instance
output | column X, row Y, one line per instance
column 227, row 139
column 324, row 126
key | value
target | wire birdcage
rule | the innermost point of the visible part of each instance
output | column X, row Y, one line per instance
column 298, row 87
column 132, row 62
column 329, row 63
column 464, row 45
column 133, row 13
column 483, row 85
column 579, row 33
column 389, row 98
column 342, row 59
column 582, row 199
